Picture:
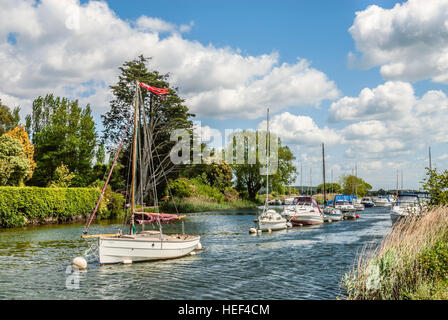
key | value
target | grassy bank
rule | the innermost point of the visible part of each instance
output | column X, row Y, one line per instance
column 410, row 263
column 199, row 204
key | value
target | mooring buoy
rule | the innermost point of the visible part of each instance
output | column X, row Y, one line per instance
column 80, row 262
column 252, row 230
column 199, row 246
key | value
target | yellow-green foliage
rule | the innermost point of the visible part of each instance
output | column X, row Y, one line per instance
column 21, row 204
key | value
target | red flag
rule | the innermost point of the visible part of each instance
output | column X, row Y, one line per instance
column 157, row 91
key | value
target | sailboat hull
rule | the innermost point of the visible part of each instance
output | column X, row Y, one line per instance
column 140, row 248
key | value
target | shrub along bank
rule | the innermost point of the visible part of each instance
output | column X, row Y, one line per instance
column 196, row 195
column 20, row 206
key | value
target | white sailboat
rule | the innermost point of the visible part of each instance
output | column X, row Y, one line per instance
column 269, row 219
column 144, row 245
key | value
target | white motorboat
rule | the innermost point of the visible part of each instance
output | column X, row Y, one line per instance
column 358, row 205
column 405, row 205
column 382, row 202
column 344, row 203
column 305, row 211
column 143, row 245
column 332, row 214
column 367, row 202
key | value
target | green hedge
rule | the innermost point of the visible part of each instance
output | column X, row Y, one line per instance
column 19, row 204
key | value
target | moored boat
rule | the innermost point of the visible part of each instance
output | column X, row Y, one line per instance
column 306, row 212
column 367, row 202
column 344, row 203
column 332, row 214
column 143, row 245
column 406, row 204
column 269, row 220
column 382, row 201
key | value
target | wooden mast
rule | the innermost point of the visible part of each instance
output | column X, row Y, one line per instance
column 134, row 161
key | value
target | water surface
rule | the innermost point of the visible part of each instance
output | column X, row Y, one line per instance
column 298, row 263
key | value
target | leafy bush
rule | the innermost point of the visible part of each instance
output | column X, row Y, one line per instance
column 180, row 188
column 21, row 205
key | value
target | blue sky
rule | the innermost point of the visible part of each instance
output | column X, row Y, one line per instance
column 381, row 112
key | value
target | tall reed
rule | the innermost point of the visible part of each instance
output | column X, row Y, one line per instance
column 411, row 262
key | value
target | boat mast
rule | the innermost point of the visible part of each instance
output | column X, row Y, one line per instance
column 430, row 164
column 267, row 159
column 396, row 193
column 323, row 172
column 356, row 180
column 134, row 160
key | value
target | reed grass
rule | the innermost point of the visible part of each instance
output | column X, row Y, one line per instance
column 411, row 262
column 199, row 204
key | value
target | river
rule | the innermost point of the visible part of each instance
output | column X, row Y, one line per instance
column 298, row 263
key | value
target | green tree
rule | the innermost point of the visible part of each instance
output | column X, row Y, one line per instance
column 286, row 173
column 62, row 177
column 249, row 176
column 100, row 153
column 14, row 164
column 62, row 133
column 350, row 183
column 437, row 186
column 8, row 119
column 330, row 187
column 160, row 116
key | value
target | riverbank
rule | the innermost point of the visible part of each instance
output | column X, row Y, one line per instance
column 197, row 204
column 410, row 263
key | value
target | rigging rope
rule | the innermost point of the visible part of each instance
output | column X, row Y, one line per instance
column 108, row 178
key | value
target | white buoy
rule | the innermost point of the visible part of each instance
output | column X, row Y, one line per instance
column 192, row 253
column 289, row 224
column 329, row 220
column 269, row 230
column 252, row 230
column 127, row 261
column 80, row 262
column 258, row 231
column 199, row 246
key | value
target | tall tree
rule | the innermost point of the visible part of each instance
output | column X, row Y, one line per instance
column 62, row 133
column 348, row 185
column 14, row 164
column 8, row 119
column 20, row 134
column 249, row 174
column 160, row 116
column 286, row 173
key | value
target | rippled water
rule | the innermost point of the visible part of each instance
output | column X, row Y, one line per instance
column 299, row 263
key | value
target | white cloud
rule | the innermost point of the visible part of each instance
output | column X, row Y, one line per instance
column 158, row 25
column 390, row 122
column 60, row 46
column 408, row 41
column 300, row 130
column 392, row 99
